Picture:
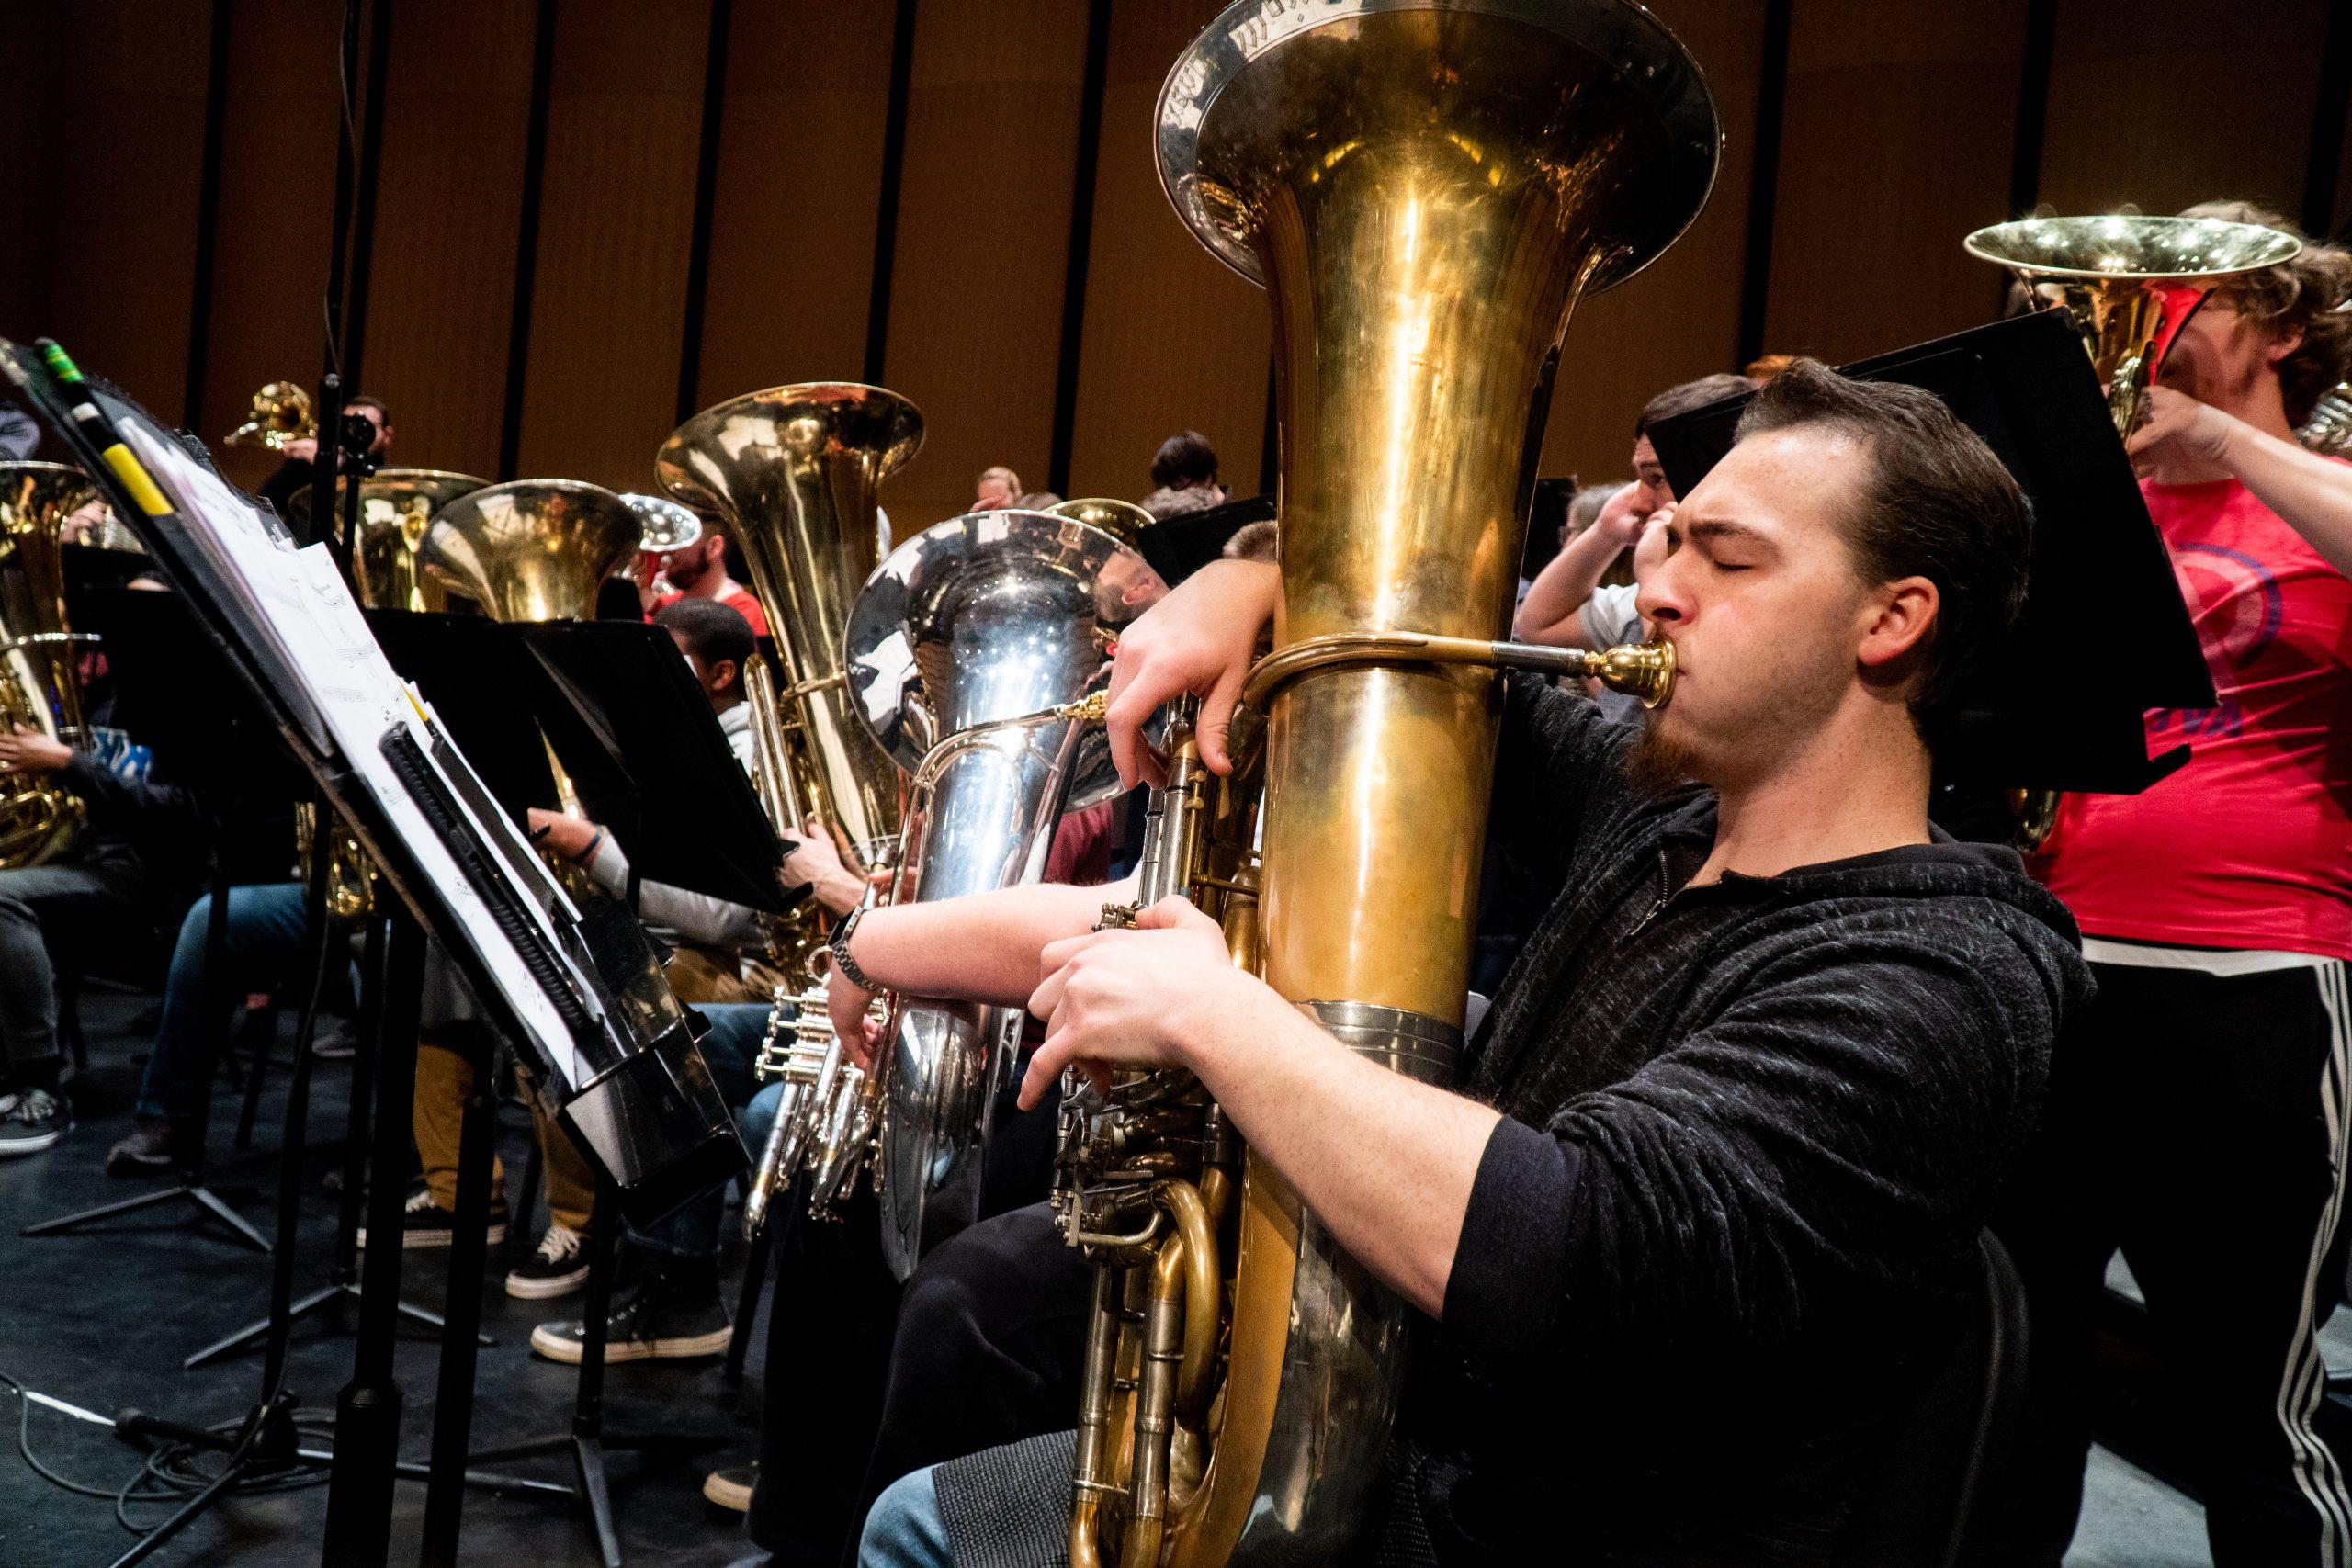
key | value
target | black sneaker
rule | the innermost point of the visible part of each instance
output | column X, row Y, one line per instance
column 146, row 1150
column 425, row 1223
column 558, row 1267
column 731, row 1487
column 32, row 1120
column 661, row 1320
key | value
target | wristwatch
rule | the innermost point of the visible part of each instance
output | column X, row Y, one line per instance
column 843, row 961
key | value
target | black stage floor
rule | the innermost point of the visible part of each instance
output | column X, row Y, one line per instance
column 103, row 1317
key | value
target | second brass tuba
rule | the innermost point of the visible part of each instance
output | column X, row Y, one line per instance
column 1425, row 188
column 39, row 687
column 977, row 657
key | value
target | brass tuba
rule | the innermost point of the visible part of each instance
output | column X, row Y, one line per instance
column 1123, row 520
column 396, row 508
column 976, row 658
column 1425, row 187
column 792, row 472
column 38, row 685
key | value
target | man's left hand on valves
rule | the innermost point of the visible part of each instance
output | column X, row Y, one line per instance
column 1164, row 994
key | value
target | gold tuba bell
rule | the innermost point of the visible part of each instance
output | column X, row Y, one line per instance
column 396, row 507
column 1425, row 188
column 38, row 685
column 793, row 472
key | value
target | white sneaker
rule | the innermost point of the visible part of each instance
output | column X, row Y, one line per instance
column 557, row 1269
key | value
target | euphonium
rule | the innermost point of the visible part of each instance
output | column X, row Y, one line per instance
column 1123, row 520
column 1425, row 187
column 2128, row 283
column 530, row 550
column 38, row 685
column 792, row 472
column 280, row 416
column 396, row 507
column 976, row 658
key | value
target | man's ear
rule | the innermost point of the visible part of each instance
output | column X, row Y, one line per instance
column 726, row 675
column 2281, row 345
column 1896, row 621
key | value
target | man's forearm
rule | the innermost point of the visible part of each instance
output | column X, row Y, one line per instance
column 1388, row 1164
column 2312, row 493
column 982, row 947
column 1561, row 588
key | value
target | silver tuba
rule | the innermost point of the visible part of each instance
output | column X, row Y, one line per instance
column 976, row 658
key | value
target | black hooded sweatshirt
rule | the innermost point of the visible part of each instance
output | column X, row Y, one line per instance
column 1753, row 1130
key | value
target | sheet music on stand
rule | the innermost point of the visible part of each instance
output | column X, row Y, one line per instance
column 575, row 983
column 348, row 699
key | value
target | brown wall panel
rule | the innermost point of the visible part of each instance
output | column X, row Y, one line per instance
column 456, row 105
column 1896, row 144
column 1680, row 318
column 797, row 190
column 2162, row 103
column 975, row 296
column 121, row 199
column 276, row 212
column 1173, row 339
column 617, row 218
column 35, row 137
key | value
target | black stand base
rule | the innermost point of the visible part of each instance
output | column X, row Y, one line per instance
column 325, row 1297
column 587, row 1451
column 193, row 1191
column 264, row 1444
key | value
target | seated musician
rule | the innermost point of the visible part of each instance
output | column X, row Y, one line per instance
column 140, row 853
column 1709, row 1207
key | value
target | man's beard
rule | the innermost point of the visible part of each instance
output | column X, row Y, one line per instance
column 1655, row 764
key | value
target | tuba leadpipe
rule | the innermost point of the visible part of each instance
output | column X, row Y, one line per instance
column 1424, row 190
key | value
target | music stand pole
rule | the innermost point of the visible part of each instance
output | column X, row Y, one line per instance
column 343, row 1276
column 368, row 1410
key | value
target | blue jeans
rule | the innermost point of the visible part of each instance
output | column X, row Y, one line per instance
column 265, row 933
column 728, row 1049
column 905, row 1527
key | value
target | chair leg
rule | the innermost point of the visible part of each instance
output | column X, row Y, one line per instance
column 262, row 1029
column 69, row 1019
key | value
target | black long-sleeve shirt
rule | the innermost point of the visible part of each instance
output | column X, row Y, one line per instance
column 1753, row 1131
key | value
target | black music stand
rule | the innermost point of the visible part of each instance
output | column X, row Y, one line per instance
column 174, row 691
column 2102, row 608
column 1183, row 544
column 645, row 753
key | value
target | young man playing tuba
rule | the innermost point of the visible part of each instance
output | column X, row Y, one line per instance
column 1707, row 1214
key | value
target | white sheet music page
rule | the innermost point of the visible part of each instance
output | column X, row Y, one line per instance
column 315, row 645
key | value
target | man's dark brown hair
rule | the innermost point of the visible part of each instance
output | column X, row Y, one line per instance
column 1688, row 396
column 1932, row 503
column 2304, row 295
column 711, row 631
column 1184, row 461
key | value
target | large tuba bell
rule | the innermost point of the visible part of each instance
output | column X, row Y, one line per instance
column 977, row 657
column 794, row 471
column 1425, row 187
column 39, row 686
column 530, row 550
column 280, row 416
column 2128, row 283
column 396, row 507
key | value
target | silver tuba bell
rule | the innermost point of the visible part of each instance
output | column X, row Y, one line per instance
column 977, row 659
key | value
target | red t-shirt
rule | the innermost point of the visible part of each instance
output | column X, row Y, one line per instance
column 740, row 601
column 2249, row 845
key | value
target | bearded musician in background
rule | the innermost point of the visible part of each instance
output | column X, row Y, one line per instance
column 1740, row 1110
